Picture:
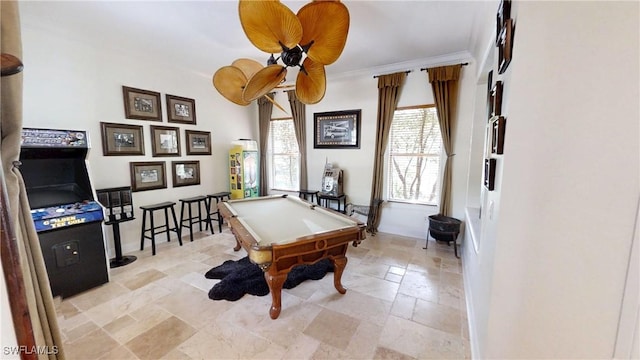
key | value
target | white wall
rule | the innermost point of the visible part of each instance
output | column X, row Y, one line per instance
column 549, row 277
column 71, row 85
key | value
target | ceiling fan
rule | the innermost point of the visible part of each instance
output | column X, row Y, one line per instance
column 310, row 40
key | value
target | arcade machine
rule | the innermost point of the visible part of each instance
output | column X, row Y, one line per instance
column 66, row 217
column 331, row 181
column 244, row 169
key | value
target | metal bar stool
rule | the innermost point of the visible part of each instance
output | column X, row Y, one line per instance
column 150, row 209
column 191, row 219
column 215, row 212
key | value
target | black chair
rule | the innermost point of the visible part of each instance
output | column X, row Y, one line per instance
column 191, row 219
column 214, row 214
column 149, row 209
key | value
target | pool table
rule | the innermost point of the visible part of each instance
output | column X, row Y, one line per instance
column 279, row 232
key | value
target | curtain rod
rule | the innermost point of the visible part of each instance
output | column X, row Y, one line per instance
column 377, row 76
column 426, row 69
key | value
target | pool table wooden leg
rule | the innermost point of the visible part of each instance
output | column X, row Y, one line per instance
column 275, row 283
column 339, row 263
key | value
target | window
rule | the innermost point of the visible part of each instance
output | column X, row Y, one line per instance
column 415, row 146
column 284, row 155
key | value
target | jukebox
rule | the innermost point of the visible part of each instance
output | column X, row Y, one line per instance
column 66, row 217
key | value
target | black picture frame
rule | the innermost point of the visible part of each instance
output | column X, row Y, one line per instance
column 148, row 175
column 489, row 173
column 121, row 139
column 503, row 13
column 141, row 104
column 497, row 138
column 198, row 142
column 496, row 98
column 505, row 46
column 337, row 129
column 185, row 173
column 165, row 141
column 181, row 110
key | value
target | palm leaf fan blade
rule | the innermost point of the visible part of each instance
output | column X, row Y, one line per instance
column 263, row 81
column 230, row 81
column 326, row 23
column 311, row 86
column 269, row 23
column 247, row 66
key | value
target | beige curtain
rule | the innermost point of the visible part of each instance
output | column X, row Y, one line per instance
column 265, row 109
column 444, row 82
column 37, row 291
column 299, row 114
column 389, row 89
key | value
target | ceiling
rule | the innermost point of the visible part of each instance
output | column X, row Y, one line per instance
column 204, row 35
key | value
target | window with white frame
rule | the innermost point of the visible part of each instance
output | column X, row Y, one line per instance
column 415, row 146
column 284, row 155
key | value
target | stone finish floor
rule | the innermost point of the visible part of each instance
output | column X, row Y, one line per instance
column 402, row 302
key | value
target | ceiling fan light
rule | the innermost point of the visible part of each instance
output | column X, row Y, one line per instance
column 263, row 81
column 326, row 24
column 269, row 25
column 311, row 83
column 230, row 81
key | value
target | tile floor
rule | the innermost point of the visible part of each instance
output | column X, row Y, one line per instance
column 402, row 302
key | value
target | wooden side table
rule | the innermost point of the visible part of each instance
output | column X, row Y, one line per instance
column 309, row 195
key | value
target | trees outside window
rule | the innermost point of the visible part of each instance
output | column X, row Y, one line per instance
column 415, row 147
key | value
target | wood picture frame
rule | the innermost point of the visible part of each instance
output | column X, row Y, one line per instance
column 148, row 175
column 185, row 173
column 496, row 97
column 497, row 138
column 489, row 173
column 503, row 13
column 141, row 104
column 337, row 129
column 181, row 110
column 121, row 139
column 505, row 46
column 198, row 142
column 165, row 141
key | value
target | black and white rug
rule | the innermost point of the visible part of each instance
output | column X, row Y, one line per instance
column 244, row 277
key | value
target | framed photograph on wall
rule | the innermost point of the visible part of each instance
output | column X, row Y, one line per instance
column 504, row 13
column 141, row 104
column 121, row 139
column 489, row 173
column 185, row 173
column 181, row 110
column 336, row 129
column 505, row 47
column 148, row 175
column 497, row 137
column 198, row 142
column 496, row 96
column 165, row 141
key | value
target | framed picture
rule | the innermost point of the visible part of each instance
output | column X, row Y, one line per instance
column 165, row 141
column 198, row 142
column 504, row 13
column 181, row 110
column 120, row 139
column 497, row 137
column 185, row 173
column 148, row 175
column 141, row 104
column 505, row 46
column 496, row 96
column 489, row 173
column 338, row 129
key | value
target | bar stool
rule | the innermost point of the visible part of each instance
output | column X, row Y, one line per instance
column 150, row 209
column 308, row 195
column 191, row 219
column 215, row 212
